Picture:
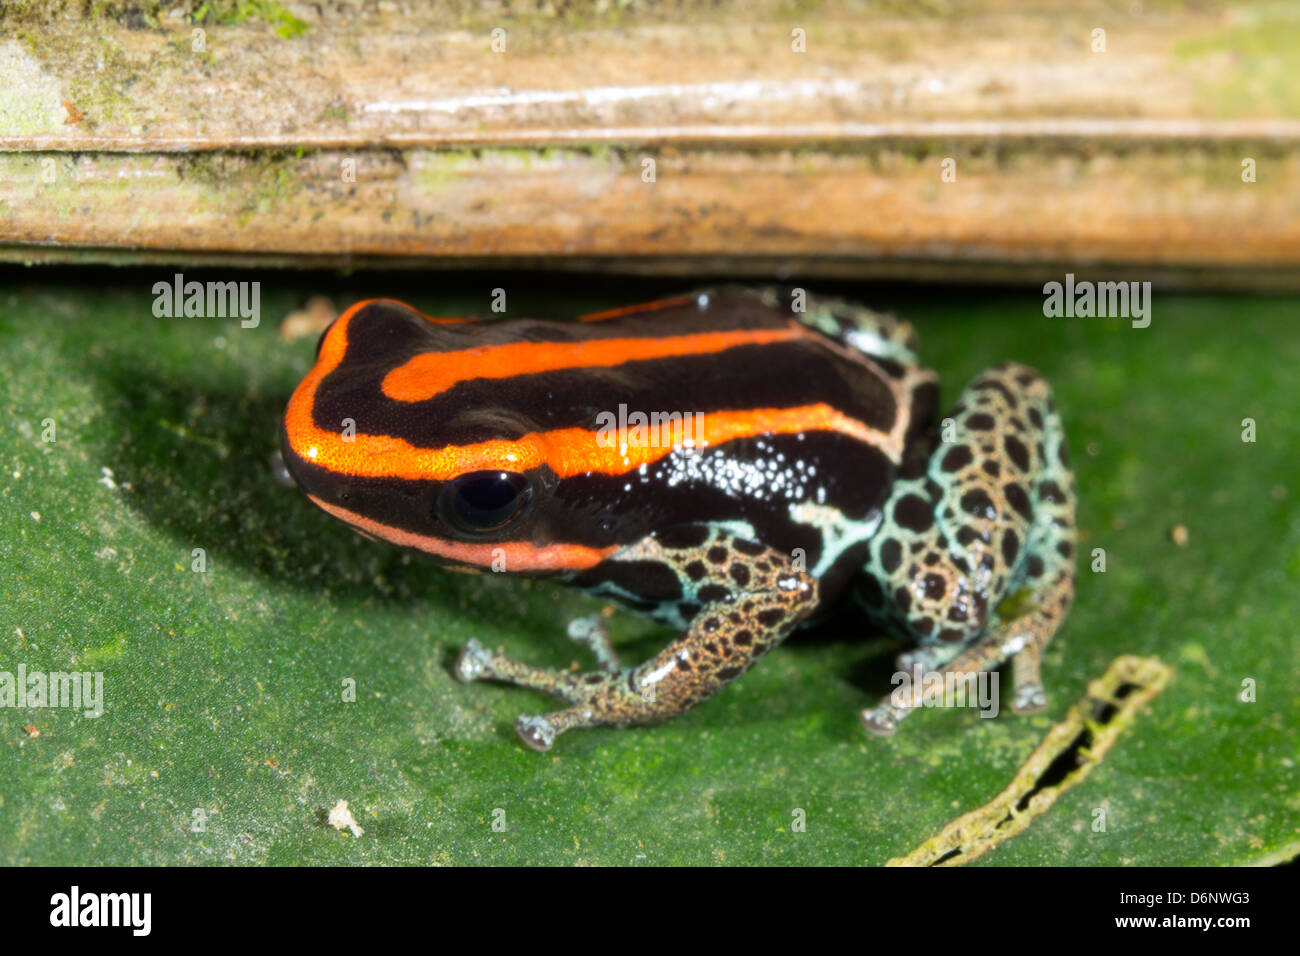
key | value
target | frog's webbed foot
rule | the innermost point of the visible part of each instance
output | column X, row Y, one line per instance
column 883, row 719
column 990, row 523
column 735, row 625
column 1020, row 641
column 476, row 662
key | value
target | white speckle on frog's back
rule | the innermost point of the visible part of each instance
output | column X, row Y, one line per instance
column 757, row 474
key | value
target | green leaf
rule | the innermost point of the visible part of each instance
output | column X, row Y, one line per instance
column 223, row 689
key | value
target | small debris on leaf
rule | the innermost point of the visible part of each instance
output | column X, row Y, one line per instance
column 341, row 818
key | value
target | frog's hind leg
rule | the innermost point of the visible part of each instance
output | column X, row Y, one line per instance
column 741, row 599
column 875, row 334
column 991, row 519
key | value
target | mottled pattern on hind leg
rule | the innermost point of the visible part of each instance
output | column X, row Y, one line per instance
column 993, row 516
column 873, row 333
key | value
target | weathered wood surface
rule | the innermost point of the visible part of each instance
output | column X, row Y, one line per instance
column 388, row 133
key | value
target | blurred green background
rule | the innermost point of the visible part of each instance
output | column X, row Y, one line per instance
column 223, row 688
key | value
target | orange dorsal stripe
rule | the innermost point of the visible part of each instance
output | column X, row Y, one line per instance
column 634, row 309
column 432, row 373
column 568, row 451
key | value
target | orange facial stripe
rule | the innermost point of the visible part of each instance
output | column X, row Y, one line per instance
column 518, row 555
column 431, row 373
column 634, row 309
column 298, row 416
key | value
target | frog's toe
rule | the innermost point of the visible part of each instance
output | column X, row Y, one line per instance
column 1029, row 699
column 926, row 658
column 881, row 721
column 583, row 629
column 590, row 631
column 474, row 663
column 537, row 732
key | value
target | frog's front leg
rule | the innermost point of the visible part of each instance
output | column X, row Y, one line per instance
column 742, row 599
column 992, row 517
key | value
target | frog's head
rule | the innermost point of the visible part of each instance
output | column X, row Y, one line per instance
column 416, row 431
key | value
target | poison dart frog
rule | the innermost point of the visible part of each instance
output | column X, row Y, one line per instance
column 808, row 461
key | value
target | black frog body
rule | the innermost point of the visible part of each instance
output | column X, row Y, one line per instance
column 727, row 461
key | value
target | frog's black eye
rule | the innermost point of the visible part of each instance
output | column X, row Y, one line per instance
column 484, row 501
